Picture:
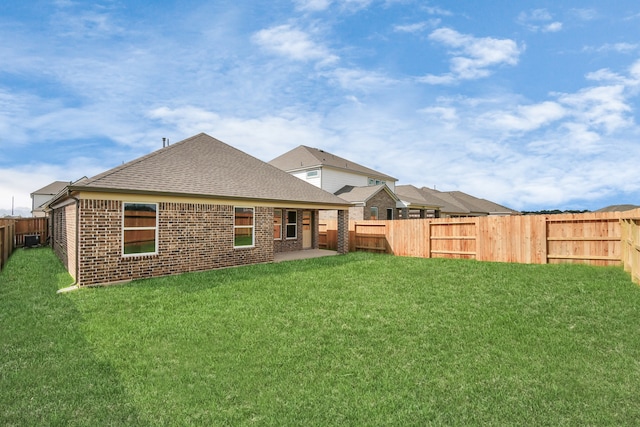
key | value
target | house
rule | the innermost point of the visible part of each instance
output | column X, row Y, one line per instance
column 370, row 202
column 198, row 204
column 451, row 204
column 40, row 197
column 418, row 204
column 328, row 171
column 371, row 192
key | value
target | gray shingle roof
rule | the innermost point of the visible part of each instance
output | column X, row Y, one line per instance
column 204, row 166
column 52, row 189
column 303, row 157
column 362, row 194
column 417, row 198
column 476, row 204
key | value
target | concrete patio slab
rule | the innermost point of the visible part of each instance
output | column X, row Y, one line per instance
column 308, row 253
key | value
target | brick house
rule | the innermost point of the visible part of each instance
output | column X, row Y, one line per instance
column 198, row 204
column 371, row 202
column 370, row 192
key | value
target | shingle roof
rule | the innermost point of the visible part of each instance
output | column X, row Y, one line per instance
column 618, row 208
column 415, row 197
column 303, row 157
column 52, row 189
column 204, row 166
column 362, row 194
column 480, row 205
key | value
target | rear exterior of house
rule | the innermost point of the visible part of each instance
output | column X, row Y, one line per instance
column 196, row 205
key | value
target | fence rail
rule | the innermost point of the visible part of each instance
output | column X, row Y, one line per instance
column 608, row 238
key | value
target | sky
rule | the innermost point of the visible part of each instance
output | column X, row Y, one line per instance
column 531, row 104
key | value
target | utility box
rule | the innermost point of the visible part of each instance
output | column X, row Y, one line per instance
column 31, row 241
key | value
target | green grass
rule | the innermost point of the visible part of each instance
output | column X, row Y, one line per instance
column 360, row 339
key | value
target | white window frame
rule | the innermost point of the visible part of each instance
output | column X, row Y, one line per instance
column 252, row 227
column 125, row 229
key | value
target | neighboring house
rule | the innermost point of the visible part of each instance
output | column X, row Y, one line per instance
column 338, row 175
column 371, row 202
column 328, row 171
column 451, row 203
column 40, row 197
column 418, row 204
column 198, row 204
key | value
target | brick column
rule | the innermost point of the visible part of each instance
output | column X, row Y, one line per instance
column 343, row 231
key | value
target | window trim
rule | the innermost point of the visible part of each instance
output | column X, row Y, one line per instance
column 125, row 229
column 252, row 227
column 295, row 224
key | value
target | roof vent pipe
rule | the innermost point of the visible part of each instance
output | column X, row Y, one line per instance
column 164, row 142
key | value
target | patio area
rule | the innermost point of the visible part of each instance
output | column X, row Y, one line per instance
column 308, row 253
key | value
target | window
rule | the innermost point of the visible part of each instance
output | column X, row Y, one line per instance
column 374, row 213
column 311, row 174
column 277, row 224
column 139, row 229
column 243, row 227
column 292, row 224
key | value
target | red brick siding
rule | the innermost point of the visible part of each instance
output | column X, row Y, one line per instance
column 191, row 237
column 288, row 245
column 63, row 236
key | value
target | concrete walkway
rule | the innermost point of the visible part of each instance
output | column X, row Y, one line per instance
column 308, row 253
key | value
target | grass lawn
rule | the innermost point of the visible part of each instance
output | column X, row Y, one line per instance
column 360, row 339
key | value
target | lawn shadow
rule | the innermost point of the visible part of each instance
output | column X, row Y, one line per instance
column 50, row 374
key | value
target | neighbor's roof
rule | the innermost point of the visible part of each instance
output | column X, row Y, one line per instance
column 52, row 189
column 303, row 157
column 476, row 205
column 618, row 208
column 416, row 198
column 203, row 166
column 363, row 194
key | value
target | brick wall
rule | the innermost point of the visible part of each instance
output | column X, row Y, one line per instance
column 191, row 237
column 288, row 245
column 382, row 201
column 63, row 236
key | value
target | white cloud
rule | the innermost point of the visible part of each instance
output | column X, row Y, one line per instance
column 622, row 48
column 312, row 5
column 525, row 118
column 413, row 28
column 359, row 80
column 601, row 107
column 539, row 20
column 293, row 43
column 552, row 27
column 472, row 57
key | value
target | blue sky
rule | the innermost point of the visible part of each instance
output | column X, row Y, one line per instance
column 532, row 104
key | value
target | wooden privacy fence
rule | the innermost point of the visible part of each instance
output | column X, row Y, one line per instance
column 14, row 231
column 31, row 227
column 593, row 238
column 7, row 233
column 631, row 244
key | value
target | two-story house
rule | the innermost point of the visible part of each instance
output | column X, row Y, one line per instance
column 371, row 193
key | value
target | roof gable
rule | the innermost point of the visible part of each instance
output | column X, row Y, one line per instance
column 303, row 157
column 363, row 194
column 51, row 189
column 204, row 166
